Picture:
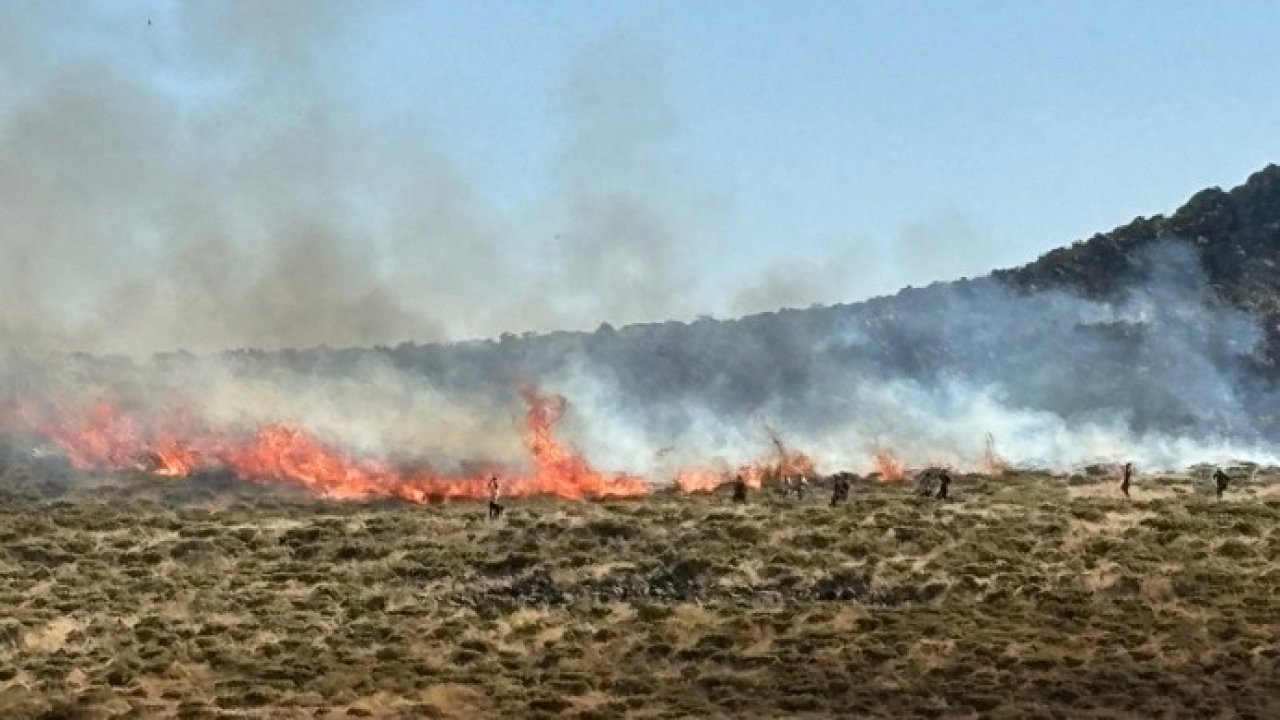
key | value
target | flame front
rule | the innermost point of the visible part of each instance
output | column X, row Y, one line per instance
column 699, row 480
column 104, row 438
column 786, row 462
column 890, row 468
column 559, row 469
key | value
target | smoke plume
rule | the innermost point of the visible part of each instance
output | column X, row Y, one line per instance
column 966, row 375
column 210, row 176
column 187, row 177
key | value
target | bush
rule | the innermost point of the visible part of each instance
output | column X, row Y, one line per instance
column 610, row 529
column 1234, row 549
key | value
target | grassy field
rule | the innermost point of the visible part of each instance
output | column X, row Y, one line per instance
column 1022, row 596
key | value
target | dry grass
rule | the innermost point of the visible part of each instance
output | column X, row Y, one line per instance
column 1025, row 596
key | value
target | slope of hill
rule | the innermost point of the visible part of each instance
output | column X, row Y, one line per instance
column 1156, row 341
column 1166, row 324
column 1236, row 235
column 1236, row 232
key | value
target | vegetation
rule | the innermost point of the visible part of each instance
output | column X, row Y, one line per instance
column 1236, row 232
column 1023, row 596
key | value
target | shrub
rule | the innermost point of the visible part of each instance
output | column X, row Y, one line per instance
column 1234, row 549
column 610, row 529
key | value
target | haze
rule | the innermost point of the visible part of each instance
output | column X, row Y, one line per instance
column 213, row 175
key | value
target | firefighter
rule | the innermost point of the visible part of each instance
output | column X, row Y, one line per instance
column 944, row 482
column 495, row 508
column 739, row 489
column 924, row 484
column 1126, row 477
column 1221, row 480
column 800, row 484
column 839, row 489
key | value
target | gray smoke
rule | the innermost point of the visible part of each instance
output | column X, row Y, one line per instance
column 201, row 183
column 1165, row 376
column 209, row 175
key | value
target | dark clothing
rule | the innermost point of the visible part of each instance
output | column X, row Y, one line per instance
column 1221, row 480
column 924, row 485
column 739, row 491
column 930, row 478
column 1124, row 482
column 495, row 510
column 839, row 490
column 944, row 482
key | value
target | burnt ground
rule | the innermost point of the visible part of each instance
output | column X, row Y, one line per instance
column 1023, row 596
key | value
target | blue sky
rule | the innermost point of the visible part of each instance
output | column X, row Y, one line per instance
column 766, row 153
column 1049, row 119
column 836, row 122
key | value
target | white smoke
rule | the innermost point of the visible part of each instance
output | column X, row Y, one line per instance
column 1160, row 376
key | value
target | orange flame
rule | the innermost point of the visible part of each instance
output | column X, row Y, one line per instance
column 559, row 469
column 889, row 467
column 699, row 480
column 785, row 462
column 106, row 439
column 101, row 439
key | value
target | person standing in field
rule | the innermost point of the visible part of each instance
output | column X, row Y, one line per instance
column 495, row 508
column 1220, row 481
column 944, row 482
column 925, row 481
column 1126, row 475
column 839, row 489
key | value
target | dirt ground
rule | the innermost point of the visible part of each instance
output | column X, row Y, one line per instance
column 1023, row 596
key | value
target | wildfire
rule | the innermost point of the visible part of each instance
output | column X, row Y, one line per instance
column 174, row 444
column 104, row 438
column 890, row 468
column 699, row 480
column 785, row 462
column 558, row 468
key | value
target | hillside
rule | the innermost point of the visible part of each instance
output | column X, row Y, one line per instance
column 1025, row 593
column 1237, row 233
column 1005, row 330
column 1157, row 341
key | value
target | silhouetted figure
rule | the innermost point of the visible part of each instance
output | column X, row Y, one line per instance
column 944, row 482
column 800, row 484
column 839, row 489
column 924, row 483
column 739, row 489
column 1126, row 476
column 495, row 508
column 1221, row 480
